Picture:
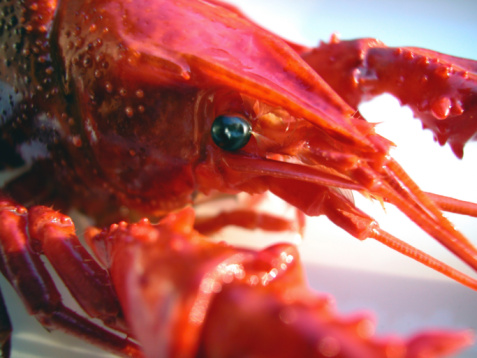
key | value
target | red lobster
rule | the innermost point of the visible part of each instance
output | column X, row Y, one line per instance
column 130, row 109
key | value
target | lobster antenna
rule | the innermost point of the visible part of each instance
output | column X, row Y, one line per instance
column 452, row 205
column 407, row 196
column 362, row 226
column 420, row 256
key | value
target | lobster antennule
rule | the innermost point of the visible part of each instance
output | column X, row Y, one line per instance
column 408, row 250
column 409, row 198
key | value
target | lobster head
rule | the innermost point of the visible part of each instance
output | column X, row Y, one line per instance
column 180, row 97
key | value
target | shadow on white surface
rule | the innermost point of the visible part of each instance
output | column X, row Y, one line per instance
column 400, row 305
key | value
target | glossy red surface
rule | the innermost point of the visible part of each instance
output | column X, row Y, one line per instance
column 120, row 98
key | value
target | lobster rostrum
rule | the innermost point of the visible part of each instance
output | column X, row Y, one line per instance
column 122, row 111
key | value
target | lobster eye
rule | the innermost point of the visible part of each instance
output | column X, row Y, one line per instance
column 231, row 132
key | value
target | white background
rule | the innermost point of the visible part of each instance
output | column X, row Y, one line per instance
column 363, row 275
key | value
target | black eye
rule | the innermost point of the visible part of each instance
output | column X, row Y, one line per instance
column 230, row 132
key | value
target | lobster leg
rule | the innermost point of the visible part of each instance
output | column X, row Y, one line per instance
column 440, row 89
column 21, row 264
column 56, row 235
column 5, row 329
column 247, row 219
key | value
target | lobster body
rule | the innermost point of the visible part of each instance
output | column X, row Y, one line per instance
column 132, row 108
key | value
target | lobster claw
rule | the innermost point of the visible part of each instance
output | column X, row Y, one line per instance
column 183, row 295
column 440, row 89
column 156, row 280
column 166, row 276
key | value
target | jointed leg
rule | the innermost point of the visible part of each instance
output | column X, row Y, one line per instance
column 21, row 264
column 248, row 219
column 5, row 330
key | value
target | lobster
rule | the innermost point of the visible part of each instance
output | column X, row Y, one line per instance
column 121, row 112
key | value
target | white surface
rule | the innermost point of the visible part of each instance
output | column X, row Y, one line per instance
column 365, row 275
